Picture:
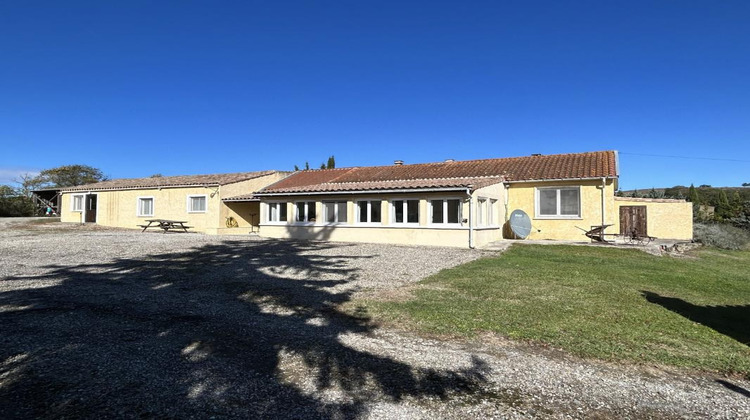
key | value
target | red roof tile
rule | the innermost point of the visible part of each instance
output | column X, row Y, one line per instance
column 169, row 181
column 458, row 174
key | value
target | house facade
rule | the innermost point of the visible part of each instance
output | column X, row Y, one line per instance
column 460, row 204
column 196, row 199
column 451, row 203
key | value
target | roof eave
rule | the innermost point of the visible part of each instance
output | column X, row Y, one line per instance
column 588, row 178
column 142, row 187
column 370, row 191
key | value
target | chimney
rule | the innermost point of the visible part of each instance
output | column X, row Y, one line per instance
column 398, row 162
column 450, row 160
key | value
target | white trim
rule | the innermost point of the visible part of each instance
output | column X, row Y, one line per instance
column 445, row 212
column 588, row 178
column 73, row 202
column 190, row 196
column 391, row 191
column 376, row 226
column 138, row 205
column 558, row 204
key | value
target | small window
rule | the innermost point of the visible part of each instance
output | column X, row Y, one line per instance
column 481, row 212
column 335, row 211
column 446, row 211
column 406, row 211
column 196, row 204
column 145, row 206
column 77, row 202
column 304, row 212
column 277, row 212
column 558, row 202
column 486, row 211
column 369, row 211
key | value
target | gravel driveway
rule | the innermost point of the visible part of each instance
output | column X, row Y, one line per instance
column 99, row 322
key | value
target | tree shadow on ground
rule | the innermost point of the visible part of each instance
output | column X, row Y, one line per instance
column 732, row 321
column 236, row 329
column 736, row 388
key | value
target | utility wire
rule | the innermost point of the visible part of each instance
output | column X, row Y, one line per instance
column 685, row 157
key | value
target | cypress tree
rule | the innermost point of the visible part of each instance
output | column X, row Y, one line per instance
column 693, row 195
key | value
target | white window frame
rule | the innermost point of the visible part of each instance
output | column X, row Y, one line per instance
column 271, row 204
column 189, row 202
column 73, row 203
column 138, row 205
column 491, row 212
column 369, row 211
column 392, row 207
column 537, row 204
column 445, row 211
column 307, row 207
column 482, row 211
column 335, row 212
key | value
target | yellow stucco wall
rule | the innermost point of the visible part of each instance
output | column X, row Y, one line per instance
column 119, row 208
column 422, row 233
column 665, row 219
column 523, row 196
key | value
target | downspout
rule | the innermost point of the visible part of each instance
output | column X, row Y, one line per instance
column 505, row 199
column 471, row 219
column 604, row 186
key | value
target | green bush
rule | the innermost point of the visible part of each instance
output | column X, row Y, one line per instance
column 721, row 235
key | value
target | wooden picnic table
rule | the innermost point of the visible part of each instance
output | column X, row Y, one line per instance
column 165, row 225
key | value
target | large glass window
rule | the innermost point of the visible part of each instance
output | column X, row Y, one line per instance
column 196, row 204
column 446, row 211
column 558, row 202
column 145, row 206
column 405, row 211
column 277, row 212
column 304, row 212
column 77, row 203
column 335, row 211
column 369, row 211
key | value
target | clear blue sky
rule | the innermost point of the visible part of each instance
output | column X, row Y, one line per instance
column 186, row 87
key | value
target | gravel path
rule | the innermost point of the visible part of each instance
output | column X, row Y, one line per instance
column 98, row 322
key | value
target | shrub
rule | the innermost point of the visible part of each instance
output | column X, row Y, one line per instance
column 721, row 235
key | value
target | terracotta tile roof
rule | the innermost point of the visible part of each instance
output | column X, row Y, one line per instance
column 457, row 174
column 169, row 181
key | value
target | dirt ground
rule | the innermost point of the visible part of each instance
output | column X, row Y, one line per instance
column 108, row 323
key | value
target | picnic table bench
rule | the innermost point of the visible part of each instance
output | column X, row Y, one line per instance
column 165, row 225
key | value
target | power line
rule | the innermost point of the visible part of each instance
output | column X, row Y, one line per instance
column 685, row 157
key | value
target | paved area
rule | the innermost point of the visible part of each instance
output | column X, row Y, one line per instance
column 103, row 323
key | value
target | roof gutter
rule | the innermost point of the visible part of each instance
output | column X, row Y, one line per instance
column 391, row 191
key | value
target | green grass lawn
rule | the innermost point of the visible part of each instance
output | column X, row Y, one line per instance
column 607, row 303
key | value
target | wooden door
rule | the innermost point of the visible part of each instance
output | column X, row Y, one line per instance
column 91, row 208
column 633, row 221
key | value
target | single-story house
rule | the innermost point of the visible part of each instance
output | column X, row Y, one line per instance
column 463, row 203
column 197, row 199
